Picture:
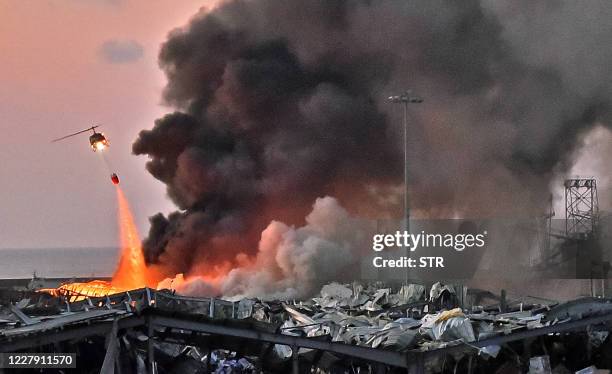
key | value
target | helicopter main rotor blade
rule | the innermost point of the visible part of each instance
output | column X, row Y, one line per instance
column 76, row 133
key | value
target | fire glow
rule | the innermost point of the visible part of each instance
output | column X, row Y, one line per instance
column 290, row 262
column 131, row 270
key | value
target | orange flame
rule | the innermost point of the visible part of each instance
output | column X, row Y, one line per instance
column 131, row 271
column 79, row 291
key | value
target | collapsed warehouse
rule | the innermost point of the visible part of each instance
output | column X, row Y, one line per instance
column 347, row 329
column 373, row 327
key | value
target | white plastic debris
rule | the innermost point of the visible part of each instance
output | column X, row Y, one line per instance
column 454, row 328
column 490, row 350
column 282, row 351
column 448, row 326
column 539, row 365
column 428, row 321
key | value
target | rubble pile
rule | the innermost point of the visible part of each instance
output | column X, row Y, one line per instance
column 411, row 319
column 403, row 320
column 346, row 328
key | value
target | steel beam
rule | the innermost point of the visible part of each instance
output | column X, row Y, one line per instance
column 413, row 361
column 112, row 351
column 526, row 334
column 357, row 352
column 18, row 343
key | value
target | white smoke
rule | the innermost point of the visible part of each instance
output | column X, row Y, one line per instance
column 291, row 262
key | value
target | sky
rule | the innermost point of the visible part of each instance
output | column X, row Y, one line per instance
column 65, row 65
column 68, row 64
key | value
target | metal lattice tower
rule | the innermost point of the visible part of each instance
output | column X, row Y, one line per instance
column 581, row 207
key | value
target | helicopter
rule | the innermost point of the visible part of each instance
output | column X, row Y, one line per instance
column 97, row 140
column 98, row 143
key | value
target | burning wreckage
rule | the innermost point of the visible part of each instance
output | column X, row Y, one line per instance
column 347, row 328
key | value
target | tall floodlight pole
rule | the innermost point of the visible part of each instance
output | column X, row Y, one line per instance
column 406, row 98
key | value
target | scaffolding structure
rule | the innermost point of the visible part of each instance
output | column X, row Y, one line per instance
column 581, row 207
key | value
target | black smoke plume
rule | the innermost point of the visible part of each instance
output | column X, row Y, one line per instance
column 280, row 102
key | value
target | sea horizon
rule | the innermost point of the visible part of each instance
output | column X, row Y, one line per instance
column 58, row 262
